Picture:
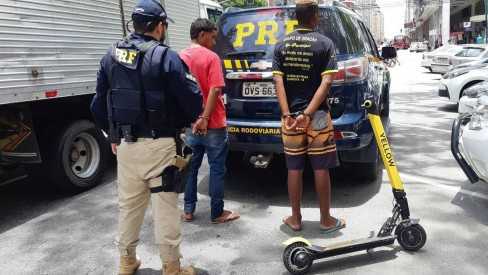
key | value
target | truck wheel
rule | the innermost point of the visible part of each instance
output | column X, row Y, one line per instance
column 77, row 157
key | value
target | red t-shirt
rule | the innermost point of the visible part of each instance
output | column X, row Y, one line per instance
column 206, row 66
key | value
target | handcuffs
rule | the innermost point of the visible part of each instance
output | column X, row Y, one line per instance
column 318, row 121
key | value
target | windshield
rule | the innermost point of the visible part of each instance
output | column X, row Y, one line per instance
column 213, row 14
column 254, row 33
column 470, row 52
column 453, row 50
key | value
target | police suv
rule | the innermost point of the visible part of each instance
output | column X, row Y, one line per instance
column 246, row 44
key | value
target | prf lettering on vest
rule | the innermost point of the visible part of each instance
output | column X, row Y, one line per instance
column 267, row 31
column 125, row 56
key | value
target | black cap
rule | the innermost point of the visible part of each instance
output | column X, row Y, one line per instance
column 149, row 10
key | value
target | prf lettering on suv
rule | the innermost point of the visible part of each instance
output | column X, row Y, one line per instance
column 246, row 42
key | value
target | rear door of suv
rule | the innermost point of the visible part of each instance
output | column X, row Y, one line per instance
column 246, row 44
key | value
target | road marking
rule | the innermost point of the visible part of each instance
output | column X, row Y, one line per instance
column 421, row 127
column 447, row 187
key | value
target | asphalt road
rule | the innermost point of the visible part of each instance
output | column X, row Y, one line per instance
column 46, row 233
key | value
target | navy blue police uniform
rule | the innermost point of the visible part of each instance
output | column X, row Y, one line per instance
column 144, row 94
column 171, row 97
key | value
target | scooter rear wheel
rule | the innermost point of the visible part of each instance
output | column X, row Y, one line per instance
column 412, row 237
column 297, row 259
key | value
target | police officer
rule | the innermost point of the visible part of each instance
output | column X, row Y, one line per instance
column 144, row 94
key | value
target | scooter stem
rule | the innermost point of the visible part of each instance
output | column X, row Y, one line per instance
column 387, row 157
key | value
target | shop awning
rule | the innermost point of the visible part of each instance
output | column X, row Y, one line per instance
column 478, row 18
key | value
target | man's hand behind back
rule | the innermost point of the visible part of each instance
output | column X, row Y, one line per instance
column 200, row 127
column 290, row 123
column 303, row 122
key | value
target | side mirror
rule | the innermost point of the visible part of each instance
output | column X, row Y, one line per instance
column 388, row 53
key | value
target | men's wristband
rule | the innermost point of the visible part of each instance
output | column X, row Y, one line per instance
column 204, row 117
column 285, row 115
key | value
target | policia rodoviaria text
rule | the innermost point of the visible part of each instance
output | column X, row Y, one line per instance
column 144, row 94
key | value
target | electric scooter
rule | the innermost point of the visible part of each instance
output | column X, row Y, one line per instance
column 300, row 253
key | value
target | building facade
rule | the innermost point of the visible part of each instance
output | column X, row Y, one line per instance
column 378, row 25
column 446, row 21
column 369, row 11
column 371, row 14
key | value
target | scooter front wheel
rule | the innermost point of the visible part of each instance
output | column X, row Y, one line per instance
column 412, row 237
column 297, row 259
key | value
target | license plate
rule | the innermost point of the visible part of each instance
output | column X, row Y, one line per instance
column 443, row 60
column 258, row 89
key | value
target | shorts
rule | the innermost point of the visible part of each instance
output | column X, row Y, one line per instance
column 320, row 147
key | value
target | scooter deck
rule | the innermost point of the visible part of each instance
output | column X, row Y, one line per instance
column 351, row 246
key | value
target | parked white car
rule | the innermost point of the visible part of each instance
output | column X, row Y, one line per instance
column 483, row 61
column 469, row 137
column 441, row 62
column 423, row 47
column 454, row 83
column 428, row 58
column 470, row 53
column 414, row 46
column 419, row 47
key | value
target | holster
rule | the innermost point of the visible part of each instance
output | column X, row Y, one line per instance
column 174, row 177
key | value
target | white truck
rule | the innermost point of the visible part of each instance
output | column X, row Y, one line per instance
column 49, row 56
column 211, row 10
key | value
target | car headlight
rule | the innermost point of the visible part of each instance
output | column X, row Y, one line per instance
column 479, row 118
column 455, row 74
column 477, row 90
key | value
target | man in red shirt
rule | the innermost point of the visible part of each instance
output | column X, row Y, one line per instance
column 208, row 133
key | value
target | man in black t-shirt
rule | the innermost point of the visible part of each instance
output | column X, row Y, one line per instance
column 304, row 66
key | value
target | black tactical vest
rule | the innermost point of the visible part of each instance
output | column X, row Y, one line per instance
column 136, row 100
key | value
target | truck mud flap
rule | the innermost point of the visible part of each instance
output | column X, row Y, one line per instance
column 456, row 126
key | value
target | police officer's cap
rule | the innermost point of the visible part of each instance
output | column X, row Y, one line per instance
column 149, row 10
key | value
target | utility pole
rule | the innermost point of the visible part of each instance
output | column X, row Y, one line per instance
column 446, row 21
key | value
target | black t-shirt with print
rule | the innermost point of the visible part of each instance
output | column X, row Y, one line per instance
column 303, row 57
